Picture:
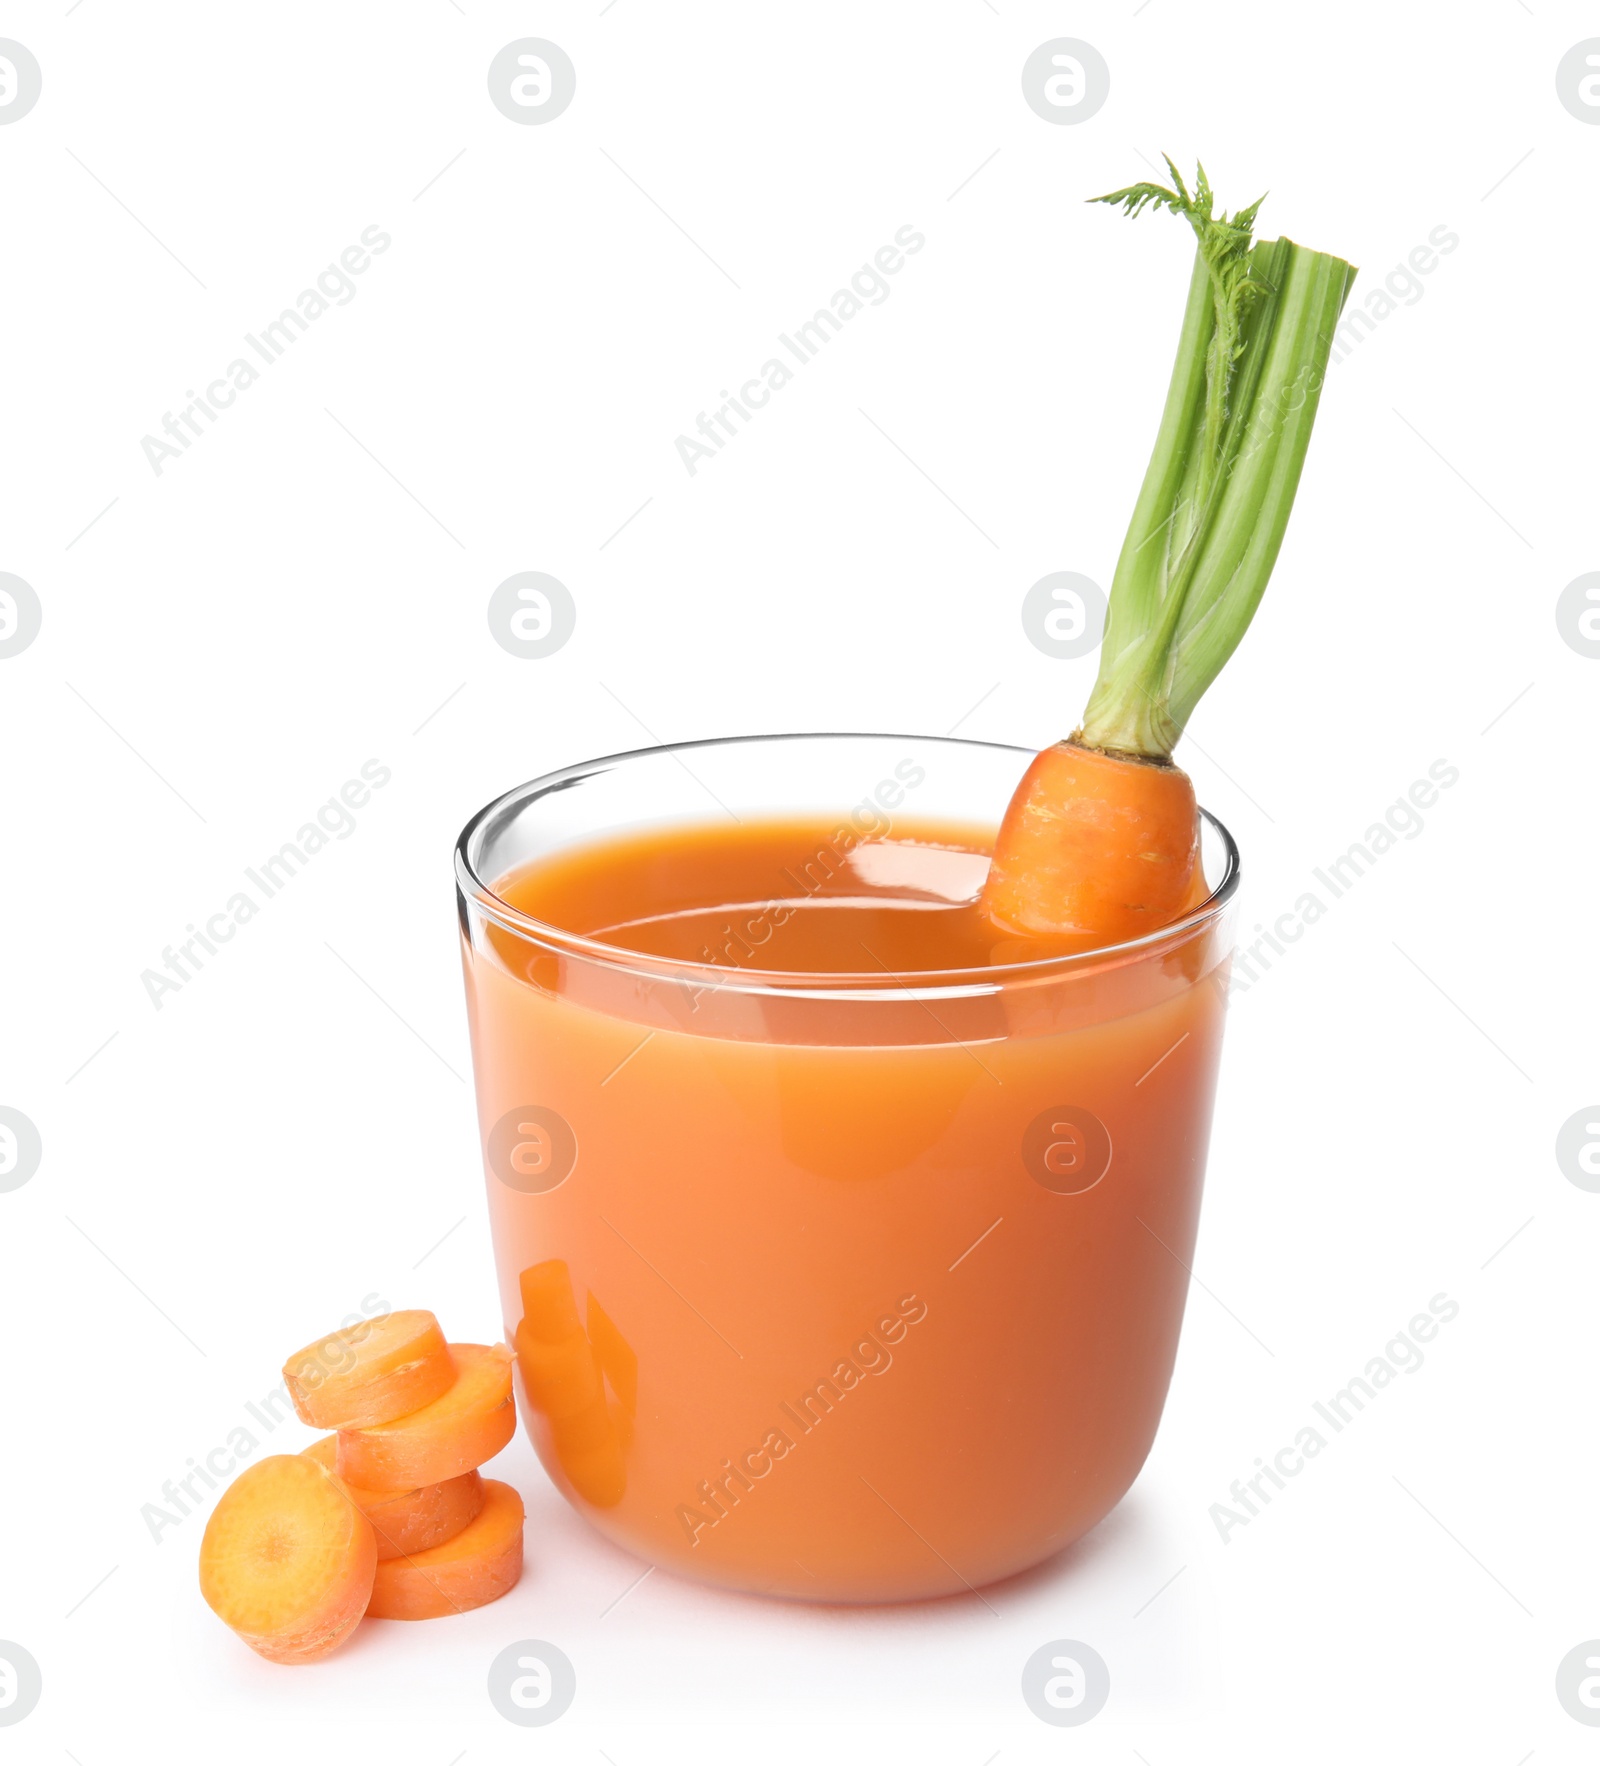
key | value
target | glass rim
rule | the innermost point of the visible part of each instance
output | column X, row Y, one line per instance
column 833, row 984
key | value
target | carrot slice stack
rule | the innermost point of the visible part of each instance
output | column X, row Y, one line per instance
column 371, row 1372
column 408, row 1521
column 388, row 1515
column 288, row 1559
column 469, row 1423
column 481, row 1563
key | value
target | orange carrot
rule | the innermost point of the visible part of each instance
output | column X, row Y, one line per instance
column 1095, row 843
column 408, row 1521
column 1101, row 837
column 288, row 1559
column 478, row 1565
column 369, row 1373
column 458, row 1431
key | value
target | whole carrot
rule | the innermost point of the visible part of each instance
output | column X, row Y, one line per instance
column 1102, row 835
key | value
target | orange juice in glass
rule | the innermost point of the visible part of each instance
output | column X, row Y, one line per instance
column 843, row 1245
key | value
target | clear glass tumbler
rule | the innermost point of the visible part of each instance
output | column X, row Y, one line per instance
column 835, row 1287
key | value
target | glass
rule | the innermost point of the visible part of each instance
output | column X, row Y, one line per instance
column 836, row 1287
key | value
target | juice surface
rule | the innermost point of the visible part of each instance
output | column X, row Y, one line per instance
column 864, row 1292
column 783, row 896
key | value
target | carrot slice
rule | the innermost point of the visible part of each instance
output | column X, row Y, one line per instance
column 288, row 1559
column 408, row 1520
column 458, row 1431
column 1095, row 843
column 369, row 1373
column 480, row 1564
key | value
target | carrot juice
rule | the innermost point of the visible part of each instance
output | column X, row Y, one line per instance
column 843, row 1243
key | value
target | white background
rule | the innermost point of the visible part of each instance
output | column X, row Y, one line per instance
column 230, row 640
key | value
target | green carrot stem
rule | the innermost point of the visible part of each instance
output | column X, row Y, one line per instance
column 1211, row 515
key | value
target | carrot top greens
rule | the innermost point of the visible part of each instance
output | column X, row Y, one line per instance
column 1211, row 515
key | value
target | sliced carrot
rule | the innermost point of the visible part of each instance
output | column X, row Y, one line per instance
column 288, row 1559
column 369, row 1373
column 1095, row 844
column 408, row 1520
column 480, row 1564
column 457, row 1432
